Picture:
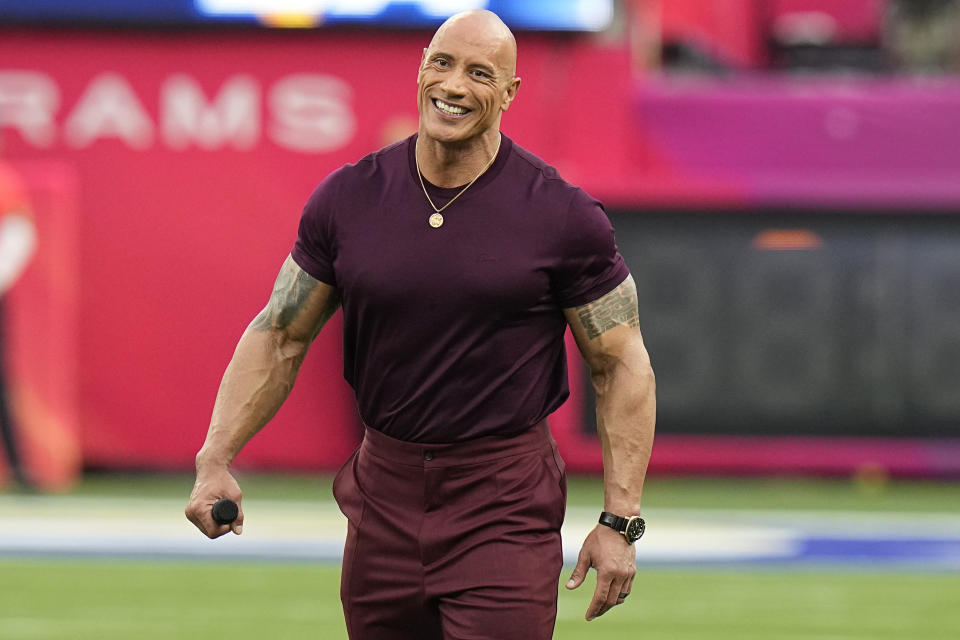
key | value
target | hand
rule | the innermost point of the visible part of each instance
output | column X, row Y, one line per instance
column 616, row 563
column 211, row 485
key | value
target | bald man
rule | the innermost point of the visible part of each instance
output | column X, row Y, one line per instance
column 459, row 259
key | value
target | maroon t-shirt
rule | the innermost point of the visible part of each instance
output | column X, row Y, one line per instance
column 455, row 333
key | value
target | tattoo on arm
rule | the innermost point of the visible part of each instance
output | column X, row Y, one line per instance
column 619, row 307
column 290, row 293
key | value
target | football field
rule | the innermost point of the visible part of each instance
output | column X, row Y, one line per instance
column 743, row 559
column 100, row 600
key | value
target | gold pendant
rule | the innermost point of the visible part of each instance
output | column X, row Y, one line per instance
column 436, row 220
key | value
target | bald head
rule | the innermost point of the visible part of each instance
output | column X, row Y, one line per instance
column 485, row 29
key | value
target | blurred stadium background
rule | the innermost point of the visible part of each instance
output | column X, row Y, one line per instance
column 784, row 178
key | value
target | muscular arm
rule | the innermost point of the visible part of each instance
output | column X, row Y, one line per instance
column 258, row 380
column 608, row 335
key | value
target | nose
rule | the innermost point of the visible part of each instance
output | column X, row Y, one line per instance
column 454, row 84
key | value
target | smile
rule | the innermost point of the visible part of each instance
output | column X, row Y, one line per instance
column 448, row 109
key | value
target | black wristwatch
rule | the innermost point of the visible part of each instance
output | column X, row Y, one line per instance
column 632, row 527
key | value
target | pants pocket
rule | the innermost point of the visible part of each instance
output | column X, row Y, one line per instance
column 558, row 471
column 346, row 490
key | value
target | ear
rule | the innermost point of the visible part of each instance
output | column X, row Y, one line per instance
column 509, row 94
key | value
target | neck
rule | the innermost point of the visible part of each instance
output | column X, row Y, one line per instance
column 451, row 165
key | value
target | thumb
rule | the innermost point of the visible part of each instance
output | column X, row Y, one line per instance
column 579, row 571
column 237, row 525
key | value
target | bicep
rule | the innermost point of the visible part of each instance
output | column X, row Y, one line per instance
column 299, row 305
column 608, row 327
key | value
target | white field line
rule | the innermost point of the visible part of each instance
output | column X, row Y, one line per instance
column 279, row 529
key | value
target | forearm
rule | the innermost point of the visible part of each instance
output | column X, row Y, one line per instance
column 626, row 415
column 257, row 381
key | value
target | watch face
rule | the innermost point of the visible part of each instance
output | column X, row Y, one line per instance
column 635, row 529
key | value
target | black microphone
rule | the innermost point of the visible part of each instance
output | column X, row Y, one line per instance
column 225, row 511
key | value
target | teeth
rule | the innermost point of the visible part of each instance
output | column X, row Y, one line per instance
column 450, row 109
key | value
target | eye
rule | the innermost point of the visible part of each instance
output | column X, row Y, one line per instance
column 441, row 62
column 477, row 73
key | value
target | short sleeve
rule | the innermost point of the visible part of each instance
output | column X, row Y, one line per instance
column 590, row 265
column 315, row 248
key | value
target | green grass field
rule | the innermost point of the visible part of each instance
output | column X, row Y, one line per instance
column 86, row 600
column 79, row 599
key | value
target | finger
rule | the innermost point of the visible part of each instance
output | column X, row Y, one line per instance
column 617, row 593
column 627, row 588
column 195, row 516
column 209, row 526
column 612, row 595
column 624, row 592
column 619, row 584
column 580, row 571
column 199, row 515
column 598, row 603
column 237, row 525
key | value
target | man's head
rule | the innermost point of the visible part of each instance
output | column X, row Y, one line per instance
column 467, row 77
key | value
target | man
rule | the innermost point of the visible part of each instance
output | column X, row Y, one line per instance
column 17, row 243
column 459, row 259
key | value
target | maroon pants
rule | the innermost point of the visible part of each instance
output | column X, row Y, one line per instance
column 452, row 541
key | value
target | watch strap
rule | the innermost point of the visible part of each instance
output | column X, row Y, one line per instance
column 612, row 520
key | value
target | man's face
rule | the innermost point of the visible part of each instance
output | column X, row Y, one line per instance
column 465, row 81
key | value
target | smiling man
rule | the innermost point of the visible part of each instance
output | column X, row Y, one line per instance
column 459, row 260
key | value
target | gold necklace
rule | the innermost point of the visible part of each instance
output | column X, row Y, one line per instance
column 436, row 219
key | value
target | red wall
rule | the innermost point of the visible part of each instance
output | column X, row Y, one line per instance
column 169, row 170
column 191, row 155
